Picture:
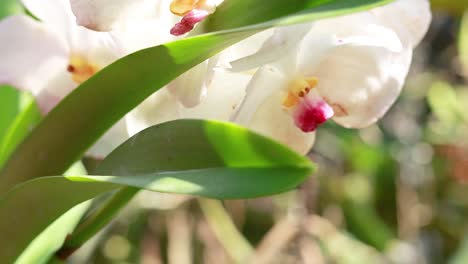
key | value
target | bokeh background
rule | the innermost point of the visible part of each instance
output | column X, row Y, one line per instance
column 395, row 192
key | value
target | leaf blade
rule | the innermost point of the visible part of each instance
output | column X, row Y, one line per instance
column 223, row 161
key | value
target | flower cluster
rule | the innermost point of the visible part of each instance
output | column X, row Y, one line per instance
column 283, row 82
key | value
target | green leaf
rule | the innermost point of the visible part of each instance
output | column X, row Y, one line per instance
column 255, row 14
column 204, row 158
column 19, row 124
column 10, row 7
column 44, row 246
column 463, row 42
column 9, row 108
column 101, row 101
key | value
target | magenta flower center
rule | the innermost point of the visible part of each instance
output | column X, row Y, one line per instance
column 311, row 113
column 189, row 21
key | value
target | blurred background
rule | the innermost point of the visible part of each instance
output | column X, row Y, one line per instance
column 395, row 192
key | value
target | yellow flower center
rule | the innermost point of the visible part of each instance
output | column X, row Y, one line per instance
column 298, row 89
column 81, row 69
column 182, row 7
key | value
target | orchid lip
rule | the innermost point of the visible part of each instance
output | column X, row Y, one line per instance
column 188, row 22
column 311, row 113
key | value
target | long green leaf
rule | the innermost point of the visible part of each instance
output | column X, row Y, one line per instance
column 44, row 246
column 10, row 7
column 203, row 158
column 82, row 117
column 20, row 125
column 256, row 14
column 9, row 108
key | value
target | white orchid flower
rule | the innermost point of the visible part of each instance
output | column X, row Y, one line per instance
column 107, row 15
column 52, row 57
column 348, row 68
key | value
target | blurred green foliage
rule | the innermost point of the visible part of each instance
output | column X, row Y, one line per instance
column 10, row 7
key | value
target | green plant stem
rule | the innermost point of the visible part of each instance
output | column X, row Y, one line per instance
column 96, row 221
column 219, row 220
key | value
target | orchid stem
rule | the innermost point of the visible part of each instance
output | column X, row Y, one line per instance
column 225, row 230
column 98, row 219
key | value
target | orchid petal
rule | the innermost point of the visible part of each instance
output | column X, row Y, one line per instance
column 147, row 30
column 410, row 19
column 224, row 96
column 266, row 81
column 244, row 48
column 56, row 88
column 190, row 87
column 22, row 65
column 370, row 79
column 358, row 30
column 103, row 15
column 99, row 48
column 271, row 120
column 55, row 13
column 312, row 50
column 280, row 45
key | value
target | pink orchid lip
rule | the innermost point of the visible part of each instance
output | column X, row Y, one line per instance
column 189, row 21
column 311, row 112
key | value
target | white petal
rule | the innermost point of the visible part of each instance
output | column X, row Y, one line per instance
column 150, row 27
column 138, row 25
column 115, row 136
column 33, row 55
column 312, row 50
column 244, row 48
column 266, row 81
column 57, row 87
column 335, row 33
column 55, row 13
column 190, row 87
column 272, row 121
column 144, row 34
column 224, row 96
column 99, row 15
column 409, row 18
column 99, row 48
column 282, row 43
column 361, row 83
column 104, row 15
